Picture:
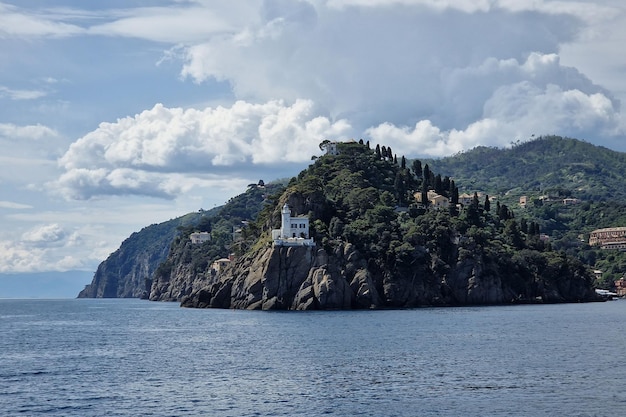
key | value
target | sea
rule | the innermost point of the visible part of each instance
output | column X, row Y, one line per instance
column 121, row 357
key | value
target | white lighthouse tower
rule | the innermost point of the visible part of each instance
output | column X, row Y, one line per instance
column 294, row 231
column 285, row 225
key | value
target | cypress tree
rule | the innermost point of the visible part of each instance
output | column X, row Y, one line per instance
column 417, row 168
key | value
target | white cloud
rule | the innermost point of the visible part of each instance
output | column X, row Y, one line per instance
column 21, row 94
column 152, row 153
column 45, row 234
column 10, row 131
column 16, row 257
column 184, row 23
column 13, row 205
column 16, row 22
column 44, row 248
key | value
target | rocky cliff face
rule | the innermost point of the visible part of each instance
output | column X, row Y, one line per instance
column 291, row 278
column 304, row 278
column 125, row 273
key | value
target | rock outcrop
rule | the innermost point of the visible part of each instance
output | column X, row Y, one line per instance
column 305, row 278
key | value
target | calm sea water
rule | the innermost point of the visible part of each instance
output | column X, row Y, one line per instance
column 139, row 358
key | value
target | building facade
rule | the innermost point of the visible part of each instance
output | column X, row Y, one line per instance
column 200, row 237
column 609, row 238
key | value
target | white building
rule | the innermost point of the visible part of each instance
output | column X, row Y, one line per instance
column 294, row 231
column 200, row 237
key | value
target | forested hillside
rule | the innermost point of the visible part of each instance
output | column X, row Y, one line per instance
column 379, row 247
column 546, row 170
column 543, row 165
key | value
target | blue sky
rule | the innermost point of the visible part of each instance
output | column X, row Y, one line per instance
column 118, row 114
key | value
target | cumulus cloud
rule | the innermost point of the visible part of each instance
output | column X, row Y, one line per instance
column 538, row 96
column 427, row 77
column 152, row 152
column 45, row 234
column 42, row 248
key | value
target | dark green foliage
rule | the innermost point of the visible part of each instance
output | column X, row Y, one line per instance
column 549, row 163
column 226, row 222
column 352, row 197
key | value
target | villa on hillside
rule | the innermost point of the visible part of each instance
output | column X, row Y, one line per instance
column 294, row 231
column 200, row 237
column 609, row 238
column 435, row 200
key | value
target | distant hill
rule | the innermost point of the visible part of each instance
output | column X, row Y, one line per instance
column 546, row 164
column 127, row 272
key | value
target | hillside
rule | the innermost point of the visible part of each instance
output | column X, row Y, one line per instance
column 128, row 272
column 546, row 170
column 543, row 165
column 362, row 202
column 378, row 248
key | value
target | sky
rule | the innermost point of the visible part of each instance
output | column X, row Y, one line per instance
column 118, row 114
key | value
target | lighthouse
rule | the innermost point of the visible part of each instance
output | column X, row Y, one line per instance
column 294, row 231
column 285, row 225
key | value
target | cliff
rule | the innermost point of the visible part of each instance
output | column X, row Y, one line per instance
column 308, row 278
column 127, row 272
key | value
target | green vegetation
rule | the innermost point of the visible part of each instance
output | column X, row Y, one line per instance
column 229, row 228
column 547, row 170
column 365, row 197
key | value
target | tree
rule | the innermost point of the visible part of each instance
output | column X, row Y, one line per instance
column 475, row 201
column 438, row 184
column 378, row 153
column 417, row 168
column 454, row 198
column 487, row 205
column 403, row 162
column 523, row 225
column 426, row 174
